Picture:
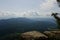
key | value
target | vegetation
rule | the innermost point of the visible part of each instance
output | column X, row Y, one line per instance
column 57, row 19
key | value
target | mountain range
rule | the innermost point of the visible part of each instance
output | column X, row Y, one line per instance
column 14, row 25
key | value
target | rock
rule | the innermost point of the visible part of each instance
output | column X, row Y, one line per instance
column 53, row 34
column 33, row 35
column 49, row 34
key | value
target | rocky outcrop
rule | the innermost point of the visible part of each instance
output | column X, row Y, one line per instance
column 53, row 35
column 33, row 35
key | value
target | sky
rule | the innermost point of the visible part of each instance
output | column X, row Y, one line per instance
column 27, row 8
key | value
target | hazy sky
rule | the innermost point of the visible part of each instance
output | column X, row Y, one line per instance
column 17, row 5
column 27, row 8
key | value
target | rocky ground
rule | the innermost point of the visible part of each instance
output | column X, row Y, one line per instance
column 33, row 35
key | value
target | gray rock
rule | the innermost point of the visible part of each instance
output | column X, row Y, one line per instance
column 54, row 35
column 33, row 35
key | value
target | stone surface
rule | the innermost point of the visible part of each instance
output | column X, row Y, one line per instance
column 53, row 34
column 33, row 35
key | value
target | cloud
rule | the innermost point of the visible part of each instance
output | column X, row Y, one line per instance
column 7, row 14
column 43, row 11
column 47, row 5
column 27, row 14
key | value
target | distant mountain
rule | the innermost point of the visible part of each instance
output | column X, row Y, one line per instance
column 14, row 25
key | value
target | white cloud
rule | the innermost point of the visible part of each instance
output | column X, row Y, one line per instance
column 43, row 11
column 7, row 14
column 47, row 5
column 29, row 13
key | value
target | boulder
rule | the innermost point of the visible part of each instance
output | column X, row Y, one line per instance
column 53, row 34
column 33, row 35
